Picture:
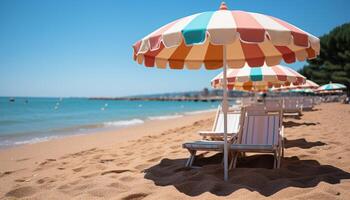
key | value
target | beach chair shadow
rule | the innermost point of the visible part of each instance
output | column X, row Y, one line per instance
column 292, row 124
column 254, row 173
column 301, row 143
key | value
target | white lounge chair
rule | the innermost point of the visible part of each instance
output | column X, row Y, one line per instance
column 217, row 132
column 273, row 105
column 291, row 107
column 308, row 103
column 262, row 132
column 212, row 145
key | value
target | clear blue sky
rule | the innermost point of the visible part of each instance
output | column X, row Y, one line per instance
column 83, row 47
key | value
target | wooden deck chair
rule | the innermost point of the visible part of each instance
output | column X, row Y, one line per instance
column 217, row 132
column 307, row 103
column 291, row 107
column 272, row 105
column 246, row 101
column 207, row 145
column 261, row 132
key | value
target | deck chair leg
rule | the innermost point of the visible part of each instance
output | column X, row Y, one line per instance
column 188, row 161
column 232, row 159
column 191, row 158
column 274, row 160
column 235, row 160
column 280, row 156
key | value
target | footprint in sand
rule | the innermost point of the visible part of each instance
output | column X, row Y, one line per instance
column 106, row 160
column 21, row 192
column 21, row 180
column 78, row 169
column 47, row 161
column 116, row 171
column 45, row 180
column 136, row 196
column 6, row 173
column 22, row 159
column 90, row 175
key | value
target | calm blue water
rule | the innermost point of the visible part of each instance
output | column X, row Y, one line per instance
column 29, row 120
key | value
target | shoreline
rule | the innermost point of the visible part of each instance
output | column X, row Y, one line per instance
column 106, row 126
column 102, row 138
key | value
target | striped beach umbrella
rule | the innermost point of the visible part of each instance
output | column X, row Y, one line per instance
column 221, row 39
column 251, row 38
column 332, row 86
column 258, row 78
column 307, row 85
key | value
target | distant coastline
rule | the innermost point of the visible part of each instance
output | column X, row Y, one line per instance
column 195, row 99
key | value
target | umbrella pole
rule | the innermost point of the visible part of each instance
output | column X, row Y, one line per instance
column 225, row 109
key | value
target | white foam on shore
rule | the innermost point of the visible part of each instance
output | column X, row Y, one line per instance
column 199, row 112
column 35, row 140
column 123, row 123
column 165, row 117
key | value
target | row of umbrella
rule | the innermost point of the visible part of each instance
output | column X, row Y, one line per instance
column 312, row 87
column 245, row 42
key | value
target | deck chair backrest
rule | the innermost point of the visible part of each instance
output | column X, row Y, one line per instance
column 307, row 102
column 247, row 101
column 273, row 105
column 233, row 118
column 261, row 129
column 291, row 103
column 255, row 109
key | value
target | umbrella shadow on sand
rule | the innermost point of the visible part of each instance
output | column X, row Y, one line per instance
column 293, row 124
column 301, row 143
column 253, row 173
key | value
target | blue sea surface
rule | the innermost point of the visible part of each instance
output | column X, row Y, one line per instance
column 30, row 120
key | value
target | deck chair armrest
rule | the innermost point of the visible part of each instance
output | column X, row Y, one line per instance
column 281, row 135
column 282, row 131
column 213, row 133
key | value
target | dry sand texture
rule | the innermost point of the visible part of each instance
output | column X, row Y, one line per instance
column 151, row 165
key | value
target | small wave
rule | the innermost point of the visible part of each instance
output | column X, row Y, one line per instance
column 165, row 117
column 124, row 123
column 200, row 112
column 35, row 140
column 11, row 142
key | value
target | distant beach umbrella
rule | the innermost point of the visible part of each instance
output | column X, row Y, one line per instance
column 307, row 85
column 303, row 90
column 224, row 38
column 332, row 86
column 258, row 78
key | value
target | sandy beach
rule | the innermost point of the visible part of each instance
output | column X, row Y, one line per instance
column 147, row 162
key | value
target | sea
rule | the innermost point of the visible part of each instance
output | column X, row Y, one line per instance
column 30, row 120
